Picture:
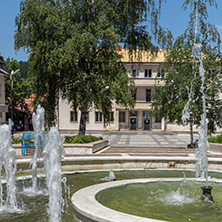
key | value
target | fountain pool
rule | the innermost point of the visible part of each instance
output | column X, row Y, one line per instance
column 35, row 208
column 163, row 200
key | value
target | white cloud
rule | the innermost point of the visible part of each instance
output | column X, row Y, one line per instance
column 219, row 27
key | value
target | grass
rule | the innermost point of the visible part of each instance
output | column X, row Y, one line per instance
column 81, row 139
column 215, row 139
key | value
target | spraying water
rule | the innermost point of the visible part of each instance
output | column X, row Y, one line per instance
column 39, row 129
column 52, row 153
column 203, row 145
column 7, row 157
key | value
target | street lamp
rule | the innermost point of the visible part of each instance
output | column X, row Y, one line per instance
column 11, row 81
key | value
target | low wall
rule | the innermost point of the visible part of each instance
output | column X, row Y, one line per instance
column 134, row 162
column 87, row 208
column 88, row 148
column 17, row 148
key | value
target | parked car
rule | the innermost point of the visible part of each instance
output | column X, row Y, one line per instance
column 17, row 125
column 3, row 123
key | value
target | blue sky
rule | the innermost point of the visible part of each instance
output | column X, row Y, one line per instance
column 172, row 18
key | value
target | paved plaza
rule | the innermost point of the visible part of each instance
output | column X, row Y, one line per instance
column 135, row 143
column 148, row 139
column 131, row 143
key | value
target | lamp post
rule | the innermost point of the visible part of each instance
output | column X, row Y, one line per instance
column 11, row 81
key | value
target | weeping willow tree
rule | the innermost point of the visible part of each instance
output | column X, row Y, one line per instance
column 181, row 74
column 72, row 49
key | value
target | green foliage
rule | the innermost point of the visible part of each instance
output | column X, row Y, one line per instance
column 17, row 140
column 81, row 139
column 22, row 89
column 181, row 73
column 24, row 69
column 215, row 139
column 72, row 49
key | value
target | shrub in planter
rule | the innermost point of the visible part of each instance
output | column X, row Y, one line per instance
column 215, row 139
column 81, row 139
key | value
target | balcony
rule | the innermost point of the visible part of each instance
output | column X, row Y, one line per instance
column 138, row 106
column 148, row 81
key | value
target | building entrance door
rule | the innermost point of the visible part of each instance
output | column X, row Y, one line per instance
column 133, row 123
column 146, row 124
column 146, row 120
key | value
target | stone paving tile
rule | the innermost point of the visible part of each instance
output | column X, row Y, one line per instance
column 147, row 143
column 161, row 140
column 149, row 140
column 124, row 136
column 128, row 140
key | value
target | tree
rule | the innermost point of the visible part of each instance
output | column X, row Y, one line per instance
column 22, row 89
column 72, row 48
column 181, row 75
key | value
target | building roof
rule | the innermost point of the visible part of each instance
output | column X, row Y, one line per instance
column 141, row 56
column 3, row 66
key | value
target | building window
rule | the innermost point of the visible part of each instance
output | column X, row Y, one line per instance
column 133, row 93
column 110, row 117
column 157, row 118
column 86, row 116
column 148, row 73
column 73, row 116
column 133, row 114
column 99, row 117
column 148, row 95
column 122, row 117
column 136, row 73
column 159, row 73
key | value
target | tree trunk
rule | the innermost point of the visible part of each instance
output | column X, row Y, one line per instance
column 191, row 132
column 191, row 145
column 82, row 124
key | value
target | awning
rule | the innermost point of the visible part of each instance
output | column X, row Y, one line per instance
column 3, row 66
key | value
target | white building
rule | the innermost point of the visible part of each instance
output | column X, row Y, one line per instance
column 3, row 107
column 145, row 71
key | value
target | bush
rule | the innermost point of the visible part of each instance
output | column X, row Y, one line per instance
column 215, row 139
column 81, row 139
column 16, row 140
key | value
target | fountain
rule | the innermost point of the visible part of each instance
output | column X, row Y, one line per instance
column 53, row 150
column 39, row 129
column 203, row 145
column 112, row 176
column 52, row 154
column 7, row 157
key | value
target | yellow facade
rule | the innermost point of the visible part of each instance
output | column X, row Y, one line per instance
column 146, row 67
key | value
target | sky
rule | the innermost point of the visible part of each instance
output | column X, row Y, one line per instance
column 172, row 18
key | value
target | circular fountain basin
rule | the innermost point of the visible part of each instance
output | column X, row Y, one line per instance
column 35, row 207
column 87, row 208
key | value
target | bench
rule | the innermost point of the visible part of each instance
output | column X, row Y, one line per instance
column 28, row 139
